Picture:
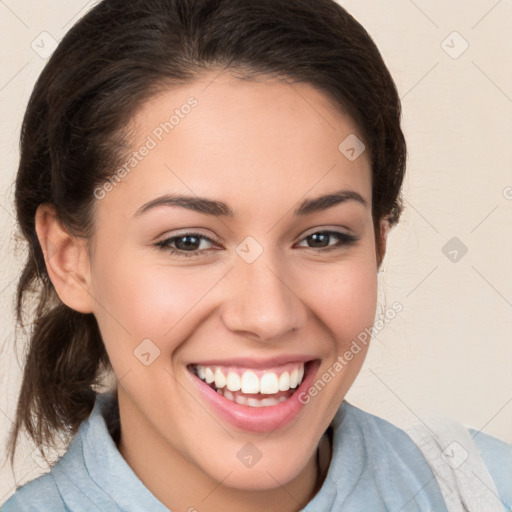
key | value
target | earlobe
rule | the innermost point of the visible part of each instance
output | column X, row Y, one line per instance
column 66, row 259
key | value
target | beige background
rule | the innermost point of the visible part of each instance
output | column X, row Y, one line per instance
column 449, row 351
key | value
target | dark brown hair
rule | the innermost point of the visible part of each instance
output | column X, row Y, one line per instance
column 74, row 135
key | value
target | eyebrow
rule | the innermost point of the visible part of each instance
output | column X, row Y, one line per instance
column 220, row 209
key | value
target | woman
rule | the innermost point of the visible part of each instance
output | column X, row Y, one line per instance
column 206, row 188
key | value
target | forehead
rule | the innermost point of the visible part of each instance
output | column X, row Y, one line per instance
column 228, row 138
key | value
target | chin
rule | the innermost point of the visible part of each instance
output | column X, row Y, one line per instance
column 263, row 475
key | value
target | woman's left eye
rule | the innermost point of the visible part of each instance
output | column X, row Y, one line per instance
column 320, row 237
column 189, row 244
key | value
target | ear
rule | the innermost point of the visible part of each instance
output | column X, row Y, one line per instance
column 384, row 227
column 66, row 259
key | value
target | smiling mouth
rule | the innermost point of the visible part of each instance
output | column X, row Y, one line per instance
column 253, row 387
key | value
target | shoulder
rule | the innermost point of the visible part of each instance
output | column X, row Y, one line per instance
column 38, row 495
column 55, row 490
column 375, row 464
column 497, row 456
column 388, row 451
column 76, row 481
column 478, row 465
column 435, row 446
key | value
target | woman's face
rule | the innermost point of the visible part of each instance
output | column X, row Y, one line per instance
column 280, row 284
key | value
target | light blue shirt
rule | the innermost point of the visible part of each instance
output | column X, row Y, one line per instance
column 375, row 467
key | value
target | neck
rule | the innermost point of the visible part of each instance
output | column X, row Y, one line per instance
column 324, row 455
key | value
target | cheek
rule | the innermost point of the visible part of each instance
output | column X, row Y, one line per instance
column 345, row 299
column 138, row 301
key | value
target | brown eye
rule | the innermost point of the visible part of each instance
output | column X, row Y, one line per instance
column 320, row 240
column 184, row 245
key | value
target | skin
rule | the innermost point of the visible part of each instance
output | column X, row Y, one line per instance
column 261, row 146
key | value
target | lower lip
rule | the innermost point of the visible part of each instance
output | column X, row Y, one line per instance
column 258, row 419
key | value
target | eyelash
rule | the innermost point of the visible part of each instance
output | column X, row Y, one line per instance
column 344, row 239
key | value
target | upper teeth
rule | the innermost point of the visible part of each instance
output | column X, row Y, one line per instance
column 248, row 381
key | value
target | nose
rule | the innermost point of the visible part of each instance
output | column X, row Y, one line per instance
column 262, row 301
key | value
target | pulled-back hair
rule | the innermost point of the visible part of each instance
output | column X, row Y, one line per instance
column 74, row 136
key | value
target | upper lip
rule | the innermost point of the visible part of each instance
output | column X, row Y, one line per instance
column 251, row 362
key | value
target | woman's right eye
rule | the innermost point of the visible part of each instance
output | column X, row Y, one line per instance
column 179, row 245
